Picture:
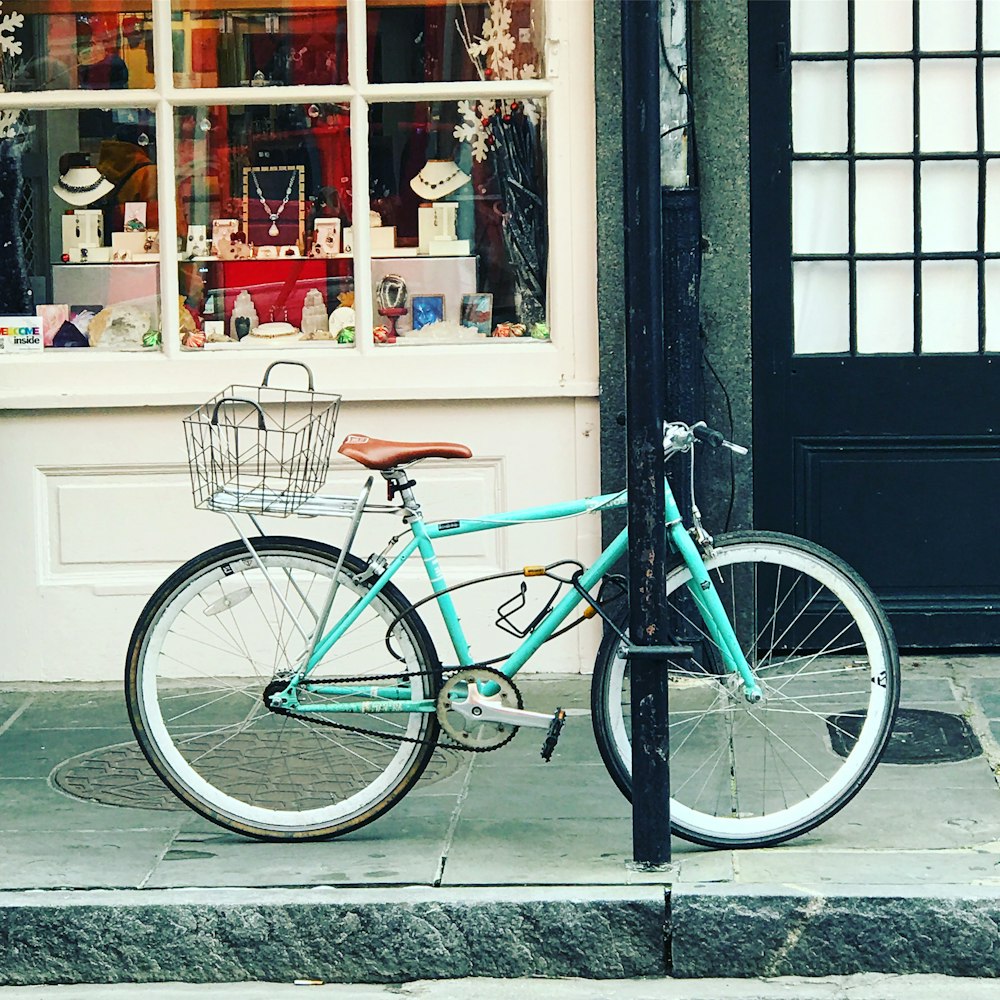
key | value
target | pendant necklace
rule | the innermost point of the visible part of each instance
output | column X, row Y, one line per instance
column 273, row 216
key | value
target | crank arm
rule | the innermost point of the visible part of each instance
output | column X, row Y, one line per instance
column 480, row 708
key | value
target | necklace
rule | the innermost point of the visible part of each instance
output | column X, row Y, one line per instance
column 273, row 216
column 81, row 188
column 436, row 184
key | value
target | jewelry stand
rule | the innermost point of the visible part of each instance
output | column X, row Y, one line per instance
column 392, row 314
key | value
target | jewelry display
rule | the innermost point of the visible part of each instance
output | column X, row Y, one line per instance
column 390, row 294
column 438, row 178
column 273, row 216
column 79, row 183
column 267, row 253
column 327, row 237
column 222, row 230
column 267, row 194
column 83, row 228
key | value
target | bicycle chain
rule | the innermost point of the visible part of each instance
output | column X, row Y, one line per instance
column 317, row 719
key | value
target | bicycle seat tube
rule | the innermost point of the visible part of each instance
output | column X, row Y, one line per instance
column 400, row 484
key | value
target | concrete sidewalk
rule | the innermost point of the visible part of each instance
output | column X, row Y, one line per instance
column 495, row 865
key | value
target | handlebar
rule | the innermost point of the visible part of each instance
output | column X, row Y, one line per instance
column 678, row 437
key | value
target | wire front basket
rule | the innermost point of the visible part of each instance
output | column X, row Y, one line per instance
column 261, row 449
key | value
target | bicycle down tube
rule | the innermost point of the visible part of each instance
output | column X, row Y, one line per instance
column 396, row 699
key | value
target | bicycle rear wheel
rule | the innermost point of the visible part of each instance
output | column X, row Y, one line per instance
column 211, row 639
column 753, row 775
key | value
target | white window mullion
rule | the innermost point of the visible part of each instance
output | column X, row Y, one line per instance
column 166, row 170
column 357, row 76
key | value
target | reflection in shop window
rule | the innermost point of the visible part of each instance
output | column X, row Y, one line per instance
column 264, row 205
column 233, row 45
column 416, row 41
column 76, row 44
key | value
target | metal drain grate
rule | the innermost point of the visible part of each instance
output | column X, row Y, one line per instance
column 920, row 736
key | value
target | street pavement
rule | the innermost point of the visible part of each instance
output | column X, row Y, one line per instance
column 496, row 864
column 860, row 987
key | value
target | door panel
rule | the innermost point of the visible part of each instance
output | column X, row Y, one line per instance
column 875, row 224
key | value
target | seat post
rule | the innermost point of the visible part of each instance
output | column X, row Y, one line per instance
column 401, row 484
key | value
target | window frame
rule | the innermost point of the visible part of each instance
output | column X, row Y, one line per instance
column 564, row 366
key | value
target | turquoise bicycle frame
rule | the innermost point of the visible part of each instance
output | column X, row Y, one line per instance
column 397, row 699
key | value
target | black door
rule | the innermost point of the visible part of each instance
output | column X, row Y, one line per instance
column 875, row 221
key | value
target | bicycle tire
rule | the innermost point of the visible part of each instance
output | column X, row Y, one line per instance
column 205, row 647
column 746, row 775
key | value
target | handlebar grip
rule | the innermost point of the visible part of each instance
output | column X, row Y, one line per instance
column 710, row 437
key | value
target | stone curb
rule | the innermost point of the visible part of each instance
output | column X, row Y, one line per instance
column 361, row 937
column 797, row 932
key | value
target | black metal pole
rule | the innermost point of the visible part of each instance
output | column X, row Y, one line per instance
column 645, row 388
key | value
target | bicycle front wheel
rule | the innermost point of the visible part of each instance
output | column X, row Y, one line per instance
column 750, row 775
column 212, row 638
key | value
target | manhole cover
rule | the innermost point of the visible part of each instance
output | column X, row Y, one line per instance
column 919, row 737
column 119, row 775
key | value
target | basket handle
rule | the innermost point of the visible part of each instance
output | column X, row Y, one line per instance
column 301, row 364
column 239, row 399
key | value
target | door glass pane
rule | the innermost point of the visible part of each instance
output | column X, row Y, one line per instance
column 991, row 25
column 947, row 27
column 991, row 103
column 883, row 102
column 819, row 107
column 949, row 205
column 947, row 105
column 220, row 44
column 885, row 307
column 417, row 42
column 819, row 207
column 884, row 206
column 264, row 198
column 78, row 45
column 822, row 304
column 949, row 307
column 819, row 27
column 993, row 305
column 883, row 26
column 992, row 206
column 459, row 217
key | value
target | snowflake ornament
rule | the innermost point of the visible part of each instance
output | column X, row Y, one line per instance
column 492, row 55
column 11, row 126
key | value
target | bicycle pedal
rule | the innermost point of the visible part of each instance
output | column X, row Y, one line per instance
column 552, row 736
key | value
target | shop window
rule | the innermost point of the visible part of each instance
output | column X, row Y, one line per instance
column 271, row 244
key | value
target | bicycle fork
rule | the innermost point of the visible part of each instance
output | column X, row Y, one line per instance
column 706, row 597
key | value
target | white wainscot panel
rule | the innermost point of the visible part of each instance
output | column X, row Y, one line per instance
column 119, row 528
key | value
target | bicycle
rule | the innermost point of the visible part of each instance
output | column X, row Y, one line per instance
column 286, row 689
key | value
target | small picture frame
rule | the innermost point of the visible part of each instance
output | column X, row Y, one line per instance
column 426, row 309
column 477, row 311
column 135, row 217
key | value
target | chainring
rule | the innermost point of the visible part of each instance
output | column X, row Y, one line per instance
column 469, row 733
